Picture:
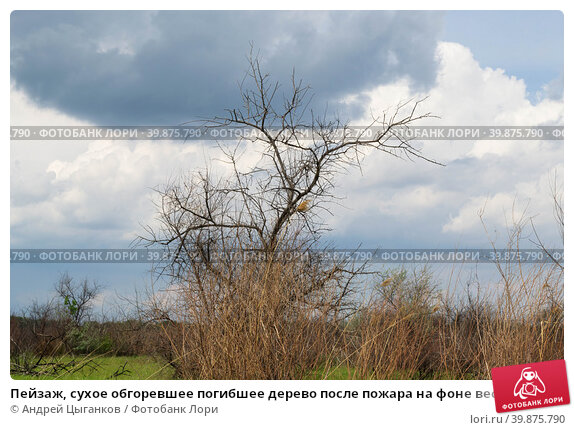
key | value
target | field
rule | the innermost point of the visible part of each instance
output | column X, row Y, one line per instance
column 148, row 367
column 408, row 329
column 137, row 368
column 104, row 367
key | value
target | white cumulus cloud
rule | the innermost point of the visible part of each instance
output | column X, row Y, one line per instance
column 84, row 193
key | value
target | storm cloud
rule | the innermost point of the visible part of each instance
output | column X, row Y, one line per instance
column 123, row 67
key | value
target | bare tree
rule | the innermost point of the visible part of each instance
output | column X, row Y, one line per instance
column 294, row 178
column 77, row 297
column 46, row 330
column 245, row 284
column 277, row 205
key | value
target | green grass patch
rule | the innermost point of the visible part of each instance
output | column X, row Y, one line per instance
column 106, row 367
column 100, row 367
column 343, row 372
column 332, row 373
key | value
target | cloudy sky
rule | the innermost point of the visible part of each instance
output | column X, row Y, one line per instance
column 165, row 68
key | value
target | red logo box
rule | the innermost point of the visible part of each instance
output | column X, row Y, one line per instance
column 529, row 386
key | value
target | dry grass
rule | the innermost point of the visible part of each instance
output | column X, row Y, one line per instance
column 273, row 321
column 520, row 320
column 266, row 326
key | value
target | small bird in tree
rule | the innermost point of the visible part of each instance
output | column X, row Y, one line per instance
column 386, row 282
column 303, row 206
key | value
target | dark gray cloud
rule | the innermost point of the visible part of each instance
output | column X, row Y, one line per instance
column 168, row 67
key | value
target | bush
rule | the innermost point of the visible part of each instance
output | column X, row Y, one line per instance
column 88, row 339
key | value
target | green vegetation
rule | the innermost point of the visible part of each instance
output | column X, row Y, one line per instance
column 147, row 367
column 102, row 367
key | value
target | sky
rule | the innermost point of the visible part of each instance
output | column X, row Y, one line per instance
column 501, row 68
